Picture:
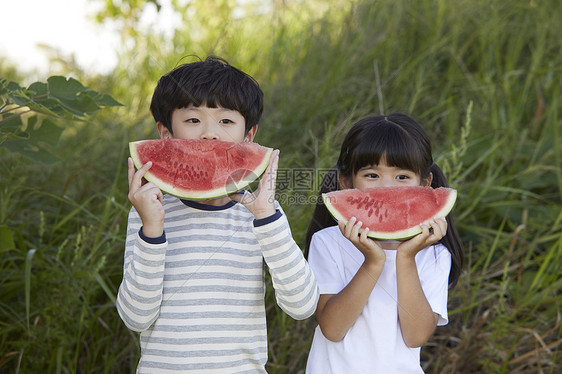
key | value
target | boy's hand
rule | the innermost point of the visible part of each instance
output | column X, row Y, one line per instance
column 374, row 254
column 262, row 201
column 428, row 236
column 147, row 200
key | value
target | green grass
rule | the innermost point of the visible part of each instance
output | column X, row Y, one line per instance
column 484, row 78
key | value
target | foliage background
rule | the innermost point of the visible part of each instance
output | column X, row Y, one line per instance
column 483, row 77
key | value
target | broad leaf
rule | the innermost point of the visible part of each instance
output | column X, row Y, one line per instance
column 37, row 146
column 107, row 100
column 72, row 95
column 11, row 128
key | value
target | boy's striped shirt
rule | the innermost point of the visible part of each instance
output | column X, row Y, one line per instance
column 196, row 295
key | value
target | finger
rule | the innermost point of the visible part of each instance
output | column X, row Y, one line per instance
column 435, row 232
column 237, row 196
column 345, row 227
column 425, row 231
column 136, row 183
column 147, row 188
column 271, row 171
column 160, row 195
column 274, row 162
column 349, row 226
column 153, row 190
column 441, row 223
column 355, row 230
column 363, row 236
column 131, row 170
column 242, row 197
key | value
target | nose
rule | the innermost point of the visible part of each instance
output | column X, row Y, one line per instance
column 210, row 132
column 388, row 182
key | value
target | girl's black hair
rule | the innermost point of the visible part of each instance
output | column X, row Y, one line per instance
column 213, row 82
column 402, row 143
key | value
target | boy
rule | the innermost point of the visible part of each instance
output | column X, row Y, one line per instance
column 193, row 282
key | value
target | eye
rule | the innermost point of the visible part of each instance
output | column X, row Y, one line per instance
column 226, row 121
column 192, row 120
column 402, row 177
column 371, row 175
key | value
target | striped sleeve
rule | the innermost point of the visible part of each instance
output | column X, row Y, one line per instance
column 296, row 289
column 140, row 292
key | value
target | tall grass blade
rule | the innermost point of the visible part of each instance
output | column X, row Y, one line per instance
column 28, row 263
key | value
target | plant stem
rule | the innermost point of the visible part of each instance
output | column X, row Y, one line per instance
column 15, row 115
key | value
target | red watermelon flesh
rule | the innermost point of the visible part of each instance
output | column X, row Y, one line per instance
column 200, row 169
column 391, row 213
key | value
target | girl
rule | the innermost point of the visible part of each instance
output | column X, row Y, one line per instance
column 380, row 300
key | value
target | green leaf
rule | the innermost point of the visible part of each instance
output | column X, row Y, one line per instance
column 3, row 86
column 39, row 88
column 72, row 95
column 40, row 140
column 6, row 136
column 48, row 132
column 20, row 98
column 6, row 239
column 62, row 88
column 30, row 150
column 11, row 128
column 107, row 100
column 13, row 86
column 49, row 106
column 9, row 120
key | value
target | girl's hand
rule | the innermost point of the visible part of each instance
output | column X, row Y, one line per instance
column 147, row 200
column 428, row 236
column 262, row 201
column 373, row 253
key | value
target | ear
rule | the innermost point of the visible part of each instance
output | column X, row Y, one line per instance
column 163, row 131
column 427, row 181
column 251, row 134
column 344, row 182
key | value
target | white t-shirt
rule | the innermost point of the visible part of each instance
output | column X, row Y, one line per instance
column 374, row 343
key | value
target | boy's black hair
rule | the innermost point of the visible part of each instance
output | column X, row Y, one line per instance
column 404, row 144
column 214, row 83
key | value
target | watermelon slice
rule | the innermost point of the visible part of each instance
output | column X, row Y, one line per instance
column 200, row 169
column 391, row 213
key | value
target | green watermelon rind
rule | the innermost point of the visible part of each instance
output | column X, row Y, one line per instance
column 206, row 195
column 401, row 235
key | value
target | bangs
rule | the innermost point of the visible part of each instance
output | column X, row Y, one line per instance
column 391, row 142
column 210, row 90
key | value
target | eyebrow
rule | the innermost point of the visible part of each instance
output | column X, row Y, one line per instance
column 367, row 167
column 374, row 167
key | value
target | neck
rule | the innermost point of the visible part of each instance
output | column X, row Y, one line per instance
column 216, row 202
column 388, row 244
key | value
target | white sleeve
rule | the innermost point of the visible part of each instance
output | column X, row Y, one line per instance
column 296, row 289
column 434, row 278
column 325, row 265
column 140, row 292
